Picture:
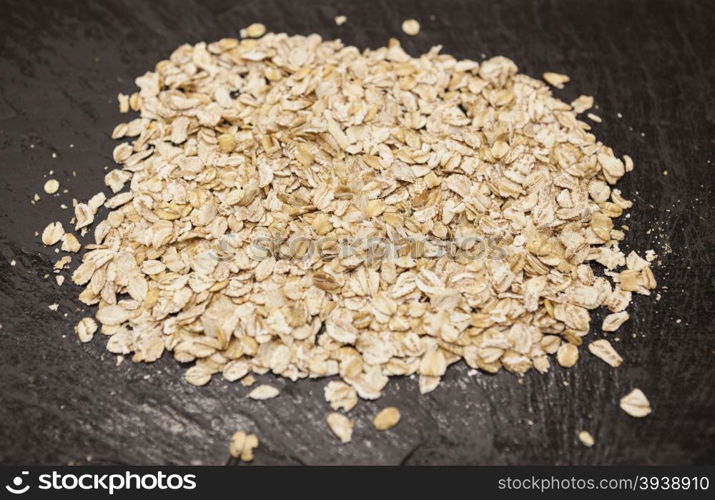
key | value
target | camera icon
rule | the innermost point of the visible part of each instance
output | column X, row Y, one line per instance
column 16, row 487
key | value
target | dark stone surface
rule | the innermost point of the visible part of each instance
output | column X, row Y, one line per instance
column 61, row 66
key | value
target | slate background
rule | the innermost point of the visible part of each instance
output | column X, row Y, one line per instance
column 61, row 402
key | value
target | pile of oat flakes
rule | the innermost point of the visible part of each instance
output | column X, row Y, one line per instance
column 309, row 148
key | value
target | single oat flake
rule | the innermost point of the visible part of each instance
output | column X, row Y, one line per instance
column 85, row 329
column 556, row 79
column 586, row 439
column 636, row 404
column 341, row 426
column 613, row 322
column 567, row 355
column 386, row 418
column 603, row 349
column 263, row 392
column 411, row 27
column 255, row 30
column 51, row 186
column 52, row 233
column 282, row 204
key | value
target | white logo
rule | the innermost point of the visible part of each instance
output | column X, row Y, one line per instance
column 17, row 483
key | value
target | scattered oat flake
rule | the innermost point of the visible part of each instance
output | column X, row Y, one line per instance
column 582, row 103
column 62, row 262
column 556, row 79
column 567, row 355
column 242, row 446
column 84, row 215
column 52, row 233
column 123, row 103
column 594, row 117
column 613, row 322
column 411, row 27
column 386, row 418
column 85, row 329
column 51, row 186
column 53, row 307
column 255, row 30
column 636, row 404
column 603, row 349
column 628, row 161
column 341, row 426
column 59, row 279
column 263, row 391
column 340, row 20
column 586, row 438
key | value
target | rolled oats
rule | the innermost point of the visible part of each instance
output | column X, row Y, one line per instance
column 85, row 329
column 582, row 103
column 386, row 418
column 567, row 355
column 263, row 392
column 411, row 27
column 197, row 375
column 290, row 205
column 242, row 446
column 255, row 30
column 613, row 322
column 341, row 426
column 51, row 186
column 603, row 349
column 556, row 79
column 636, row 404
column 52, row 233
column 586, row 438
